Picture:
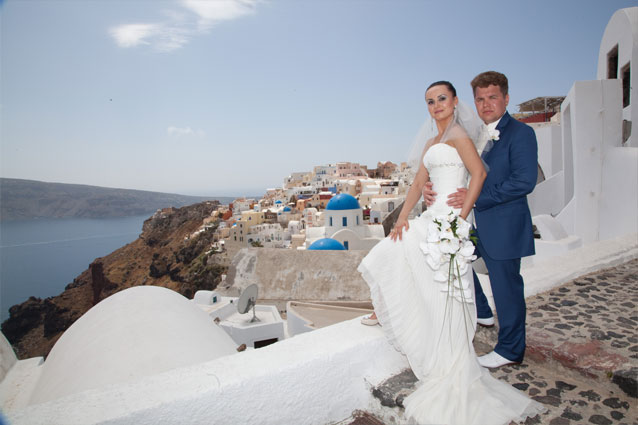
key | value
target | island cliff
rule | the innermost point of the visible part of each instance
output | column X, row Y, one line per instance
column 173, row 251
column 29, row 199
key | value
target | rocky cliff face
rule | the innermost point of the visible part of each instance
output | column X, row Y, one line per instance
column 168, row 253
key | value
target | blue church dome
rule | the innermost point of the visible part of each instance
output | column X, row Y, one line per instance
column 343, row 201
column 286, row 209
column 327, row 244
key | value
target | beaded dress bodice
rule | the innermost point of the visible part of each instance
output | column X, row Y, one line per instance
column 447, row 174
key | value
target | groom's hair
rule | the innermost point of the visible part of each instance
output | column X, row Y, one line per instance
column 489, row 78
column 443, row 83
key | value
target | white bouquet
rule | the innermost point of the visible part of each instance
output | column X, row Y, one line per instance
column 449, row 251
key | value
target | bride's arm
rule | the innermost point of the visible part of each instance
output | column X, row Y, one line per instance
column 474, row 165
column 414, row 194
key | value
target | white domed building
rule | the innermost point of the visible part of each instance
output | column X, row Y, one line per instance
column 343, row 222
column 326, row 244
column 138, row 332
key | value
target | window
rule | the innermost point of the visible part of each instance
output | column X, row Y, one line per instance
column 625, row 74
column 344, row 221
column 345, row 244
column 357, row 220
column 612, row 63
column 330, row 221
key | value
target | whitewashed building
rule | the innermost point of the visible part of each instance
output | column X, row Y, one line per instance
column 269, row 235
column 324, row 175
column 381, row 207
column 242, row 204
column 309, row 218
column 300, row 178
column 591, row 153
column 343, row 222
column 294, row 227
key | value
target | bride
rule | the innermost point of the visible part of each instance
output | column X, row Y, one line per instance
column 426, row 306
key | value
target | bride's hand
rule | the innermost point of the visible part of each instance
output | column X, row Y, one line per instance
column 397, row 230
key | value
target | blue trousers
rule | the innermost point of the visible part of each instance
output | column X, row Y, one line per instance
column 509, row 298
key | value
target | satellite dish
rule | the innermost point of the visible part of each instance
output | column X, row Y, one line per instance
column 248, row 299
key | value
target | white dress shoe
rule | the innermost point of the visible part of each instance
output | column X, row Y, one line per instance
column 488, row 323
column 493, row 359
column 369, row 321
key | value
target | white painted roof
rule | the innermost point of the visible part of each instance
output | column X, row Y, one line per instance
column 138, row 332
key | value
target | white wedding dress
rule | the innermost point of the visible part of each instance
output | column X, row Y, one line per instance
column 432, row 329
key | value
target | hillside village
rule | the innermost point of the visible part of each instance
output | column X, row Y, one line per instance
column 346, row 202
column 149, row 355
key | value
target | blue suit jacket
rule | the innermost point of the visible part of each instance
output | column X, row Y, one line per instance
column 503, row 220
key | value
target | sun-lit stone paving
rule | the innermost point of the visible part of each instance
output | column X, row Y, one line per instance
column 582, row 352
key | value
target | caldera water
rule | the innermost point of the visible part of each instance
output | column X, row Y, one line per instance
column 40, row 257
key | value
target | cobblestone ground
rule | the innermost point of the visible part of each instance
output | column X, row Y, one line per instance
column 582, row 352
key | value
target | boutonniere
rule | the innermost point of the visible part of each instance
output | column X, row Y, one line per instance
column 494, row 134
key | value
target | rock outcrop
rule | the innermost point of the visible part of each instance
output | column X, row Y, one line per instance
column 171, row 252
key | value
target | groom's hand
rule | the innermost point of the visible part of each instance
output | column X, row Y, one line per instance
column 428, row 194
column 456, row 199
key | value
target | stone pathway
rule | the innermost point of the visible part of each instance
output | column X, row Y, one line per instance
column 582, row 352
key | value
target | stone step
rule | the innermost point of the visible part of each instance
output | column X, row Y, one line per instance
column 582, row 346
column 588, row 325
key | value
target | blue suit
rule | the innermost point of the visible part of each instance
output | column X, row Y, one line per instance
column 504, row 227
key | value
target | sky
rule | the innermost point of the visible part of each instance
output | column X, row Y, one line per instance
column 228, row 97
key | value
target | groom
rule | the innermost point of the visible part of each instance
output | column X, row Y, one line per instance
column 503, row 219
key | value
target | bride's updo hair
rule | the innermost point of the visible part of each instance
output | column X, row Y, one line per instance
column 443, row 83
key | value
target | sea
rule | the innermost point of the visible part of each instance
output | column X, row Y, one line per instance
column 41, row 257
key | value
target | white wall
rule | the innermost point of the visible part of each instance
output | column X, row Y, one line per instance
column 591, row 121
column 355, row 241
column 337, row 221
column 622, row 30
column 548, row 196
column 619, row 199
column 318, row 378
column 550, row 148
column 591, row 181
